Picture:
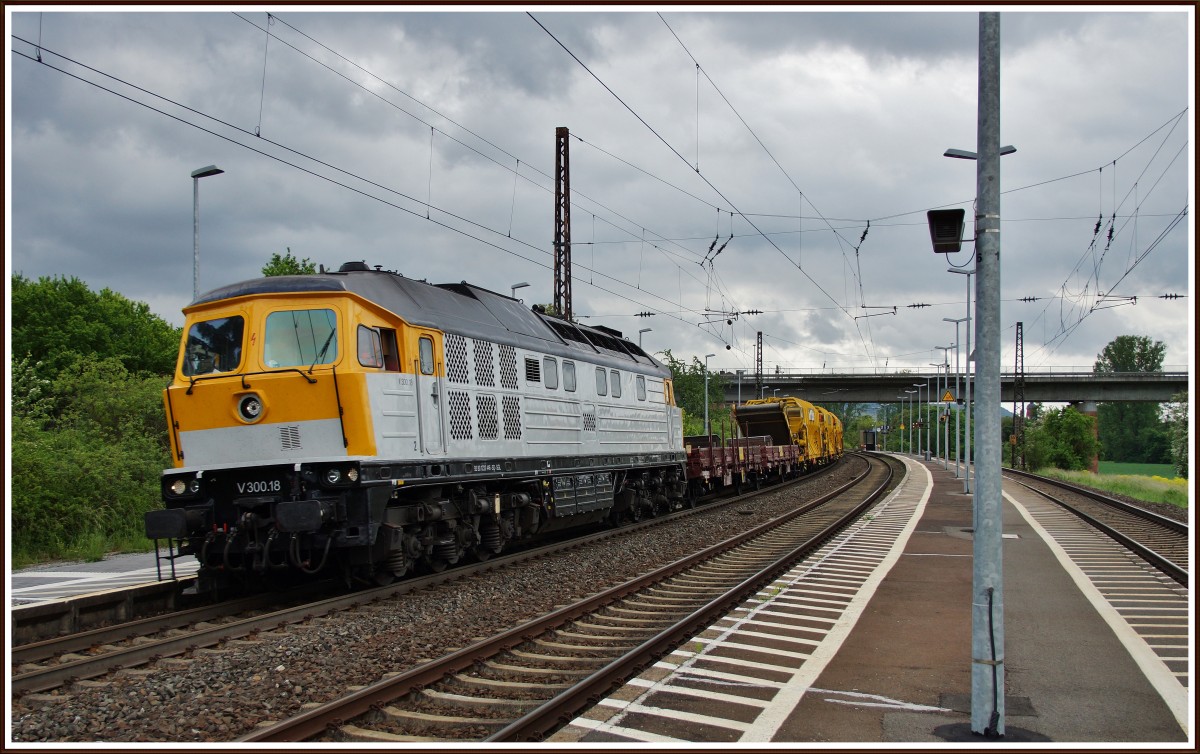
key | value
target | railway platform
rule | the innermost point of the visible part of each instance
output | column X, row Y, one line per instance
column 871, row 643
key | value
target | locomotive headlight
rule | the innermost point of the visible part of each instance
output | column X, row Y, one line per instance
column 333, row 476
column 194, row 486
column 352, row 475
column 178, row 487
column 250, row 408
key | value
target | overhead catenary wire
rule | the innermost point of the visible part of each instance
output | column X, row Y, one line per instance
column 666, row 310
column 576, row 193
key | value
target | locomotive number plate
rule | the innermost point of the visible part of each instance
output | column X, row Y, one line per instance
column 259, row 487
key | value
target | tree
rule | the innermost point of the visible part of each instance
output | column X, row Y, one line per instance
column 1132, row 432
column 1060, row 438
column 688, row 380
column 56, row 319
column 288, row 265
column 1176, row 415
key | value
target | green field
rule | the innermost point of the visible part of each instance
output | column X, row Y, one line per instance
column 1144, row 484
column 1164, row 470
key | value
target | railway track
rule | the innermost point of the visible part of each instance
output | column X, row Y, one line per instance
column 50, row 662
column 524, row 683
column 1163, row 542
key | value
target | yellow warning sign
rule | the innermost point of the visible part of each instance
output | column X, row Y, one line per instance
column 948, row 397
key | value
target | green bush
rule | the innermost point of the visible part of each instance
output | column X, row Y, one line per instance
column 87, row 452
column 1060, row 438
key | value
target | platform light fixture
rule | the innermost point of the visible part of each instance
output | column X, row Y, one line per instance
column 197, row 174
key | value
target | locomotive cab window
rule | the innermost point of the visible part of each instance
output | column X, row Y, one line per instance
column 641, row 387
column 569, row 376
column 213, row 346
column 370, row 347
column 601, row 381
column 550, row 373
column 616, row 383
column 425, row 354
column 303, row 337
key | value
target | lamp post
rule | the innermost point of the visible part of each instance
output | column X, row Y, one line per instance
column 515, row 286
column 958, row 397
column 740, row 372
column 936, row 436
column 946, row 363
column 919, row 387
column 900, row 442
column 910, row 420
column 643, row 330
column 707, row 429
column 967, row 385
column 197, row 174
column 987, row 582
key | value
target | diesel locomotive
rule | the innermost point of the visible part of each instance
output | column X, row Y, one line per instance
column 366, row 423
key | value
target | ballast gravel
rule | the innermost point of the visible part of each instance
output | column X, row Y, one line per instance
column 221, row 694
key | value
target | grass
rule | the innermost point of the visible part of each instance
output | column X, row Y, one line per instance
column 1153, row 489
column 1165, row 470
column 89, row 547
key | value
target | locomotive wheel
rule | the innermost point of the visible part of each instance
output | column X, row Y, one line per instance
column 634, row 512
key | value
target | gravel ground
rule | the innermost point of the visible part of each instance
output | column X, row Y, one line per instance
column 218, row 695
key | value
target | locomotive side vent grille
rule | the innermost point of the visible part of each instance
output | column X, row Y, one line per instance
column 485, row 368
column 460, row 415
column 533, row 370
column 508, row 367
column 489, row 426
column 589, row 421
column 289, row 438
column 456, row 359
column 512, row 417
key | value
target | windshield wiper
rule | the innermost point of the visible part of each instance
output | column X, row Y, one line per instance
column 324, row 348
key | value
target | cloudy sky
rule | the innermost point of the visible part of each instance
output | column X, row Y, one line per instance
column 425, row 142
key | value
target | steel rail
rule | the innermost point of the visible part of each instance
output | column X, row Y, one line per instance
column 1163, row 521
column 1175, row 571
column 314, row 722
column 45, row 678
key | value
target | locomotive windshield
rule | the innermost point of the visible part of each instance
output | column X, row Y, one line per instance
column 213, row 346
column 304, row 337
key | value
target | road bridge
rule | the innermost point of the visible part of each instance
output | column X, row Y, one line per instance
column 889, row 387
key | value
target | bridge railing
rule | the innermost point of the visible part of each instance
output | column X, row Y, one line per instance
column 1167, row 372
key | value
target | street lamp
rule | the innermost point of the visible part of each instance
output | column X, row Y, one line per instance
column 967, row 385
column 987, row 580
column 515, row 286
column 910, row 419
column 644, row 329
column 920, row 426
column 957, row 396
column 707, row 429
column 946, row 363
column 197, row 174
column 937, row 392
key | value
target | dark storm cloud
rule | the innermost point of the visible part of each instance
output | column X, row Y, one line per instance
column 858, row 107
